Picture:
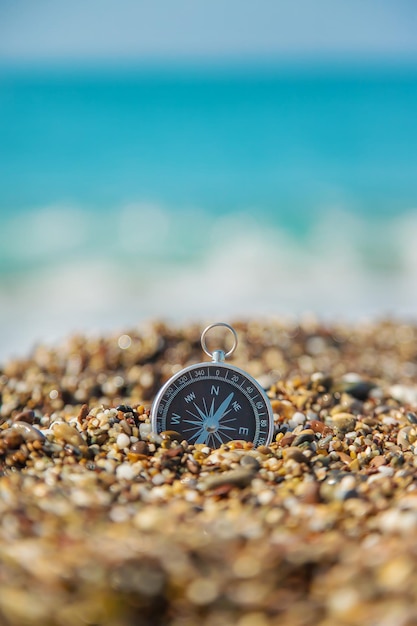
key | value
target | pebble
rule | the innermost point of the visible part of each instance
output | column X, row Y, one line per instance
column 27, row 431
column 140, row 447
column 145, row 429
column 25, row 416
column 295, row 454
column 297, row 420
column 67, row 433
column 406, row 437
column 237, row 478
column 250, row 462
column 404, row 393
column 343, row 422
column 305, row 436
column 125, row 471
column 122, row 441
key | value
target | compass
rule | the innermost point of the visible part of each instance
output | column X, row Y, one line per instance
column 213, row 403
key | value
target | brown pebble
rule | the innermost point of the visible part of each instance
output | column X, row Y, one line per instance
column 171, row 434
column 295, row 454
column 68, row 434
column 377, row 461
column 283, row 408
column 82, row 415
column 136, row 457
column 344, row 422
column 25, row 416
column 192, row 466
column 139, row 447
column 12, row 438
column 170, row 453
column 311, row 493
column 263, row 449
column 406, row 437
column 28, row 432
column 287, row 439
column 222, row 490
column 249, row 461
column 237, row 478
column 345, row 458
column 317, row 426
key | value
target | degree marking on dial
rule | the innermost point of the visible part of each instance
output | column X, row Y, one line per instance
column 210, row 374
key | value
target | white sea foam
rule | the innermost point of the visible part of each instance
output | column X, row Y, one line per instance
column 83, row 271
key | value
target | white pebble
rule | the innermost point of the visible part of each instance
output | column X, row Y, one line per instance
column 265, row 497
column 158, row 479
column 122, row 441
column 144, row 430
column 126, row 471
column 296, row 420
column 404, row 393
column 385, row 470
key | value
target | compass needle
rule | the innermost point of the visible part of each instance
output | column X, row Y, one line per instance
column 202, row 415
column 223, row 407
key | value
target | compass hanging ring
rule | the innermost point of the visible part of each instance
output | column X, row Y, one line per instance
column 218, row 354
column 214, row 403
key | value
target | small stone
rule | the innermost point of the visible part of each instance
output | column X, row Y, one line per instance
column 405, row 437
column 171, row 435
column 305, row 436
column 145, row 430
column 237, row 478
column 359, row 389
column 249, row 461
column 377, row 461
column 404, row 393
column 386, row 470
column 297, row 420
column 122, row 441
column 139, row 447
column 202, row 591
column 25, row 416
column 67, row 433
column 82, row 415
column 317, row 426
column 294, row 454
column 124, row 408
column 192, row 466
column 343, row 422
column 287, row 439
column 125, row 471
column 28, row 432
column 412, row 417
column 12, row 438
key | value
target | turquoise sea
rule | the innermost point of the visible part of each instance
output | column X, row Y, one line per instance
column 204, row 193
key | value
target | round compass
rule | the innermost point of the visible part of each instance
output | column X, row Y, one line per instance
column 214, row 403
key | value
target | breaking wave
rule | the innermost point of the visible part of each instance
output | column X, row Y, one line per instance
column 65, row 269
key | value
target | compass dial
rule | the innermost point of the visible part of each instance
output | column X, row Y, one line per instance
column 214, row 403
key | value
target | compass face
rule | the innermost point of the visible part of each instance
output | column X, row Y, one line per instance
column 214, row 403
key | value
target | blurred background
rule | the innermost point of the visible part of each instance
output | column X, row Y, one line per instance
column 204, row 160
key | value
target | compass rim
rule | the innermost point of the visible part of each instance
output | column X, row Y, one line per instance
column 238, row 370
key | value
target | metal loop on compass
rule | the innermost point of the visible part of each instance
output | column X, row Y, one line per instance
column 205, row 331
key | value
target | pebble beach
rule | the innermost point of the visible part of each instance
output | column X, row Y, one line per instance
column 105, row 523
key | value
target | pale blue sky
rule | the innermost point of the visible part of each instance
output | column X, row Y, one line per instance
column 165, row 29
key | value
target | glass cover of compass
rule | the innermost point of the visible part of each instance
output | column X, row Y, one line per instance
column 214, row 403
